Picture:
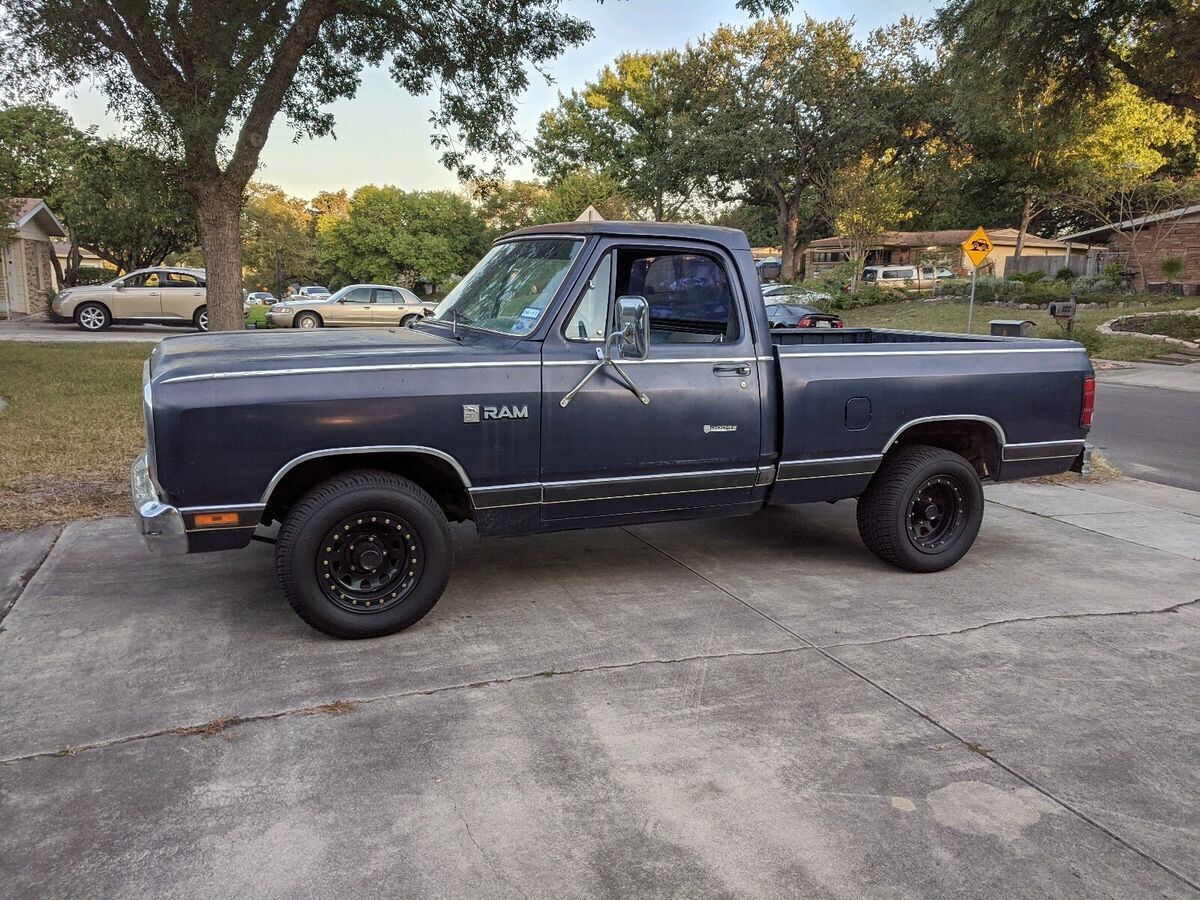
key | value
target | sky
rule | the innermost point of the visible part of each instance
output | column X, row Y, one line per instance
column 382, row 134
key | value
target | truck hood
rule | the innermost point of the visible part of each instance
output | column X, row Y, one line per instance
column 220, row 355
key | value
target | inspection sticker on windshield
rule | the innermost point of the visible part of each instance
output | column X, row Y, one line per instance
column 530, row 312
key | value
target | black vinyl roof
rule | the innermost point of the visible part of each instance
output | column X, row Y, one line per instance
column 712, row 234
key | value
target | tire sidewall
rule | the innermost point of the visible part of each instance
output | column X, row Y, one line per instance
column 311, row 317
column 320, row 611
column 201, row 315
column 968, row 481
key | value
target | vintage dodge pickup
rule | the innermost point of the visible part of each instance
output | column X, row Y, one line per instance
column 583, row 375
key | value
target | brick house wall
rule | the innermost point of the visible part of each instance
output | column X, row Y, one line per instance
column 1145, row 249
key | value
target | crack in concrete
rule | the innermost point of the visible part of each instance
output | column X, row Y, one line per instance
column 1047, row 618
column 342, row 706
column 971, row 746
column 29, row 576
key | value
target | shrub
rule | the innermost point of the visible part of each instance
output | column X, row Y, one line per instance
column 1026, row 277
column 94, row 275
column 869, row 295
column 1114, row 271
column 1171, row 267
column 1093, row 284
column 1066, row 273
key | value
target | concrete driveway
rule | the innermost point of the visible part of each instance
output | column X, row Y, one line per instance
column 40, row 331
column 744, row 707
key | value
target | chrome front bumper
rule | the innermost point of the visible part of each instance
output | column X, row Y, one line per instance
column 161, row 524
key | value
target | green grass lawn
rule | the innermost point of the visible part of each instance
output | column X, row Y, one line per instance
column 951, row 315
column 257, row 316
column 72, row 427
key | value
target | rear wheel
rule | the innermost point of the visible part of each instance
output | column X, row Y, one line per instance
column 200, row 319
column 922, row 510
column 308, row 320
column 93, row 317
column 405, row 321
column 363, row 555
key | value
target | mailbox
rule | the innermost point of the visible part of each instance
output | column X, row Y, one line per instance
column 1062, row 309
column 1011, row 327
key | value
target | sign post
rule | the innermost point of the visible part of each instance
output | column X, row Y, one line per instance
column 976, row 247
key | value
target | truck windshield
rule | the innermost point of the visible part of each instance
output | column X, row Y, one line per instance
column 509, row 289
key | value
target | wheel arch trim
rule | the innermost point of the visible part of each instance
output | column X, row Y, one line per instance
column 414, row 449
column 964, row 417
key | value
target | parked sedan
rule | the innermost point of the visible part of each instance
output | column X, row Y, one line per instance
column 158, row 296
column 356, row 305
column 792, row 315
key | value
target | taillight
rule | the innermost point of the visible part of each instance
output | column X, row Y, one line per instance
column 838, row 323
column 806, row 322
column 1089, row 402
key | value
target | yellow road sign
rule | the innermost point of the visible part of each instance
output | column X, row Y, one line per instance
column 977, row 246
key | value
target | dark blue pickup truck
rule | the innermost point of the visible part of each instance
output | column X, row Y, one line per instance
column 583, row 375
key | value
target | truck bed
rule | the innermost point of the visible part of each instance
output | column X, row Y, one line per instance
column 844, row 406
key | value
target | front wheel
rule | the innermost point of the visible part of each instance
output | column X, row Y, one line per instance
column 93, row 317
column 308, row 320
column 922, row 510
column 364, row 554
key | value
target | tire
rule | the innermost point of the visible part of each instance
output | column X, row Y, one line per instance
column 405, row 321
column 308, row 320
column 93, row 317
column 922, row 510
column 336, row 591
column 200, row 319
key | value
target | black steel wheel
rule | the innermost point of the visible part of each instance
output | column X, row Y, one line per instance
column 364, row 554
column 936, row 513
column 922, row 509
column 370, row 561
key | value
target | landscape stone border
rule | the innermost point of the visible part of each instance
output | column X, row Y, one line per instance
column 1107, row 328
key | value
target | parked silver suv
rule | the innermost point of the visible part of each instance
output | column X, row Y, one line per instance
column 158, row 296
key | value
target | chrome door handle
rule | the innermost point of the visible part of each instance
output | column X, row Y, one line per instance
column 731, row 369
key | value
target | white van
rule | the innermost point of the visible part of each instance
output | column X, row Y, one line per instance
column 908, row 277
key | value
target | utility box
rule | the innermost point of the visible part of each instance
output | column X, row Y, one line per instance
column 1011, row 327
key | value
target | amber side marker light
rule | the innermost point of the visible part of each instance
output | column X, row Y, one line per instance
column 213, row 520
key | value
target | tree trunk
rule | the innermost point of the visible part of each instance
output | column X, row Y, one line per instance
column 788, row 224
column 218, row 214
column 74, row 261
column 1026, row 218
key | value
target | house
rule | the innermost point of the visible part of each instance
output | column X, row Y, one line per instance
column 940, row 248
column 27, row 274
column 88, row 258
column 1141, row 244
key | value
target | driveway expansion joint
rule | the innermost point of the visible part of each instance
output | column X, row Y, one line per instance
column 221, row 724
column 1047, row 618
column 972, row 746
column 29, row 576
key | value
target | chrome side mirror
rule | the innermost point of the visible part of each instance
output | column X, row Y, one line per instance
column 633, row 327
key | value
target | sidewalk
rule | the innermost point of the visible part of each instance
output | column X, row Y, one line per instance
column 1141, row 512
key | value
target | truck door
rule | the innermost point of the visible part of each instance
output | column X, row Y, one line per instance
column 697, row 442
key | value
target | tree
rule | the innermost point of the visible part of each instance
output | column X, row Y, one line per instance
column 126, row 204
column 209, row 79
column 775, row 104
column 278, row 237
column 564, row 200
column 628, row 124
column 861, row 201
column 1075, row 46
column 394, row 236
column 506, row 206
column 39, row 147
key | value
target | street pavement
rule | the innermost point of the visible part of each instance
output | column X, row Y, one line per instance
column 740, row 707
column 1148, row 422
